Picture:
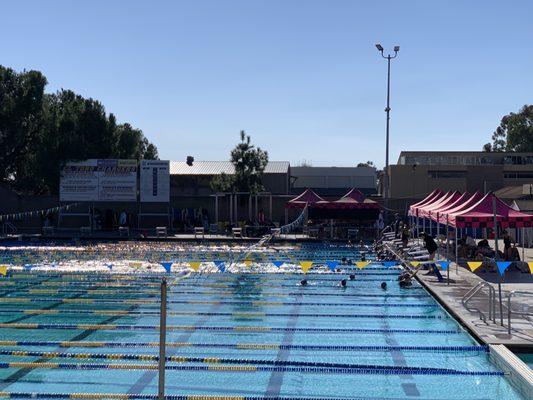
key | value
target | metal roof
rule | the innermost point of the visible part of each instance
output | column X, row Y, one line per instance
column 218, row 167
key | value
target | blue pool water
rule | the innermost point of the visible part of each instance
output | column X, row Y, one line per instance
column 286, row 340
column 527, row 358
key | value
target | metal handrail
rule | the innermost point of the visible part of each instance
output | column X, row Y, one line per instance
column 491, row 299
column 7, row 227
column 509, row 309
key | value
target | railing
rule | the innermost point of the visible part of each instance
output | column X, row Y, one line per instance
column 491, row 301
column 510, row 310
column 8, row 227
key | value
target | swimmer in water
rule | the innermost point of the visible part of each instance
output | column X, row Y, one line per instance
column 343, row 283
column 384, row 285
column 303, row 282
column 352, row 277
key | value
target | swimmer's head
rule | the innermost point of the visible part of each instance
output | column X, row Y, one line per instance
column 343, row 283
column 384, row 285
column 352, row 277
column 303, row 282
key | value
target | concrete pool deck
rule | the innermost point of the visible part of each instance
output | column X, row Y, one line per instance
column 462, row 281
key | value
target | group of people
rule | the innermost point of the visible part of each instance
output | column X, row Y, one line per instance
column 470, row 250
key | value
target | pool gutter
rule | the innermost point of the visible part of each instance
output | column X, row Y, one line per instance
column 516, row 371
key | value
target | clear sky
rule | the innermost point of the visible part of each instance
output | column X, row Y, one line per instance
column 303, row 78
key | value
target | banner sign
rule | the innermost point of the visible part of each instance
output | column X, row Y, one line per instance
column 79, row 181
column 155, row 181
column 99, row 180
column 117, row 180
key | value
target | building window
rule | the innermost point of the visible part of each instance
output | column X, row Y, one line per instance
column 518, row 175
column 447, row 174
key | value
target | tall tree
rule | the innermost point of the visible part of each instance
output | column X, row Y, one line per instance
column 21, row 101
column 40, row 132
column 515, row 132
column 249, row 162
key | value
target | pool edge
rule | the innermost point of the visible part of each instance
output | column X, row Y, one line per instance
column 518, row 374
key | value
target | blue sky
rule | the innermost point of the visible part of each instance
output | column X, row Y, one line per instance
column 303, row 78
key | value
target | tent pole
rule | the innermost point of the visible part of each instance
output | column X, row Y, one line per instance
column 448, row 251
column 456, row 253
column 497, row 256
column 523, row 242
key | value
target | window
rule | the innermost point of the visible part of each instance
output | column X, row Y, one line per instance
column 447, row 174
column 518, row 175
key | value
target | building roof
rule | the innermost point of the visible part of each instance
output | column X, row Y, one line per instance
column 218, row 167
column 333, row 171
column 510, row 192
column 523, row 205
column 466, row 157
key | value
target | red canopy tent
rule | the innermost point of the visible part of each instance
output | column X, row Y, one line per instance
column 449, row 197
column 308, row 197
column 481, row 215
column 436, row 194
column 437, row 214
column 459, row 206
column 354, row 199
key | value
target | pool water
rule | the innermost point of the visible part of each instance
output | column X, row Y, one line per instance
column 527, row 358
column 239, row 334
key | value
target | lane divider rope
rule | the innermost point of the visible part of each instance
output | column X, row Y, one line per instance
column 219, row 328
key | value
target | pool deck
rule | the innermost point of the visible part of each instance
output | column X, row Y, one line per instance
column 462, row 281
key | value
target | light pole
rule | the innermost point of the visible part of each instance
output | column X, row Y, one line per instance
column 387, row 110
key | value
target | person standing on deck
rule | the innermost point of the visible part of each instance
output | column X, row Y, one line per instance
column 429, row 244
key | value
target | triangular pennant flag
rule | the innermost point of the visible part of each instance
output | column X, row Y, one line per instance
column 415, row 263
column 3, row 270
column 167, row 265
column 247, row 262
column 361, row 264
column 502, row 266
column 444, row 265
column 220, row 265
column 110, row 266
column 530, row 266
column 389, row 264
column 277, row 263
column 332, row 265
column 473, row 265
column 195, row 265
column 306, row 266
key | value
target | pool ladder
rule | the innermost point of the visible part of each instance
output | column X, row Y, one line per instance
column 510, row 311
column 491, row 299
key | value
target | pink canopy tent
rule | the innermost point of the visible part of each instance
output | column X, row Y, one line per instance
column 438, row 214
column 481, row 215
column 307, row 198
column 354, row 199
column 448, row 198
column 434, row 195
column 459, row 206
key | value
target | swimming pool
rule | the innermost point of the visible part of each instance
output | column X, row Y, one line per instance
column 527, row 358
column 242, row 334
